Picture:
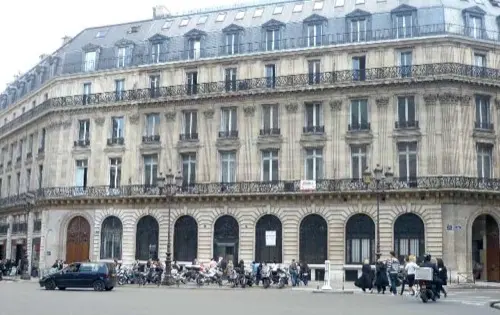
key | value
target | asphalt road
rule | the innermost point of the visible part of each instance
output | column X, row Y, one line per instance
column 28, row 298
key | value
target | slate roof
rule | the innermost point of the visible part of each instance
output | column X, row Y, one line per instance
column 154, row 29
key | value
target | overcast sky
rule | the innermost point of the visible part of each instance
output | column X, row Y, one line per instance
column 31, row 28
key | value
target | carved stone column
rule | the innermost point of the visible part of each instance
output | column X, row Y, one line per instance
column 383, row 119
column 210, row 163
column 337, row 152
column 432, row 143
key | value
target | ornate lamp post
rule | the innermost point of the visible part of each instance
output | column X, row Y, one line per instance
column 169, row 185
column 380, row 178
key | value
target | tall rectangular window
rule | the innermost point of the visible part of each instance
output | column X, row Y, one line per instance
column 270, row 166
column 192, row 82
column 152, row 124
column 272, row 39
column 232, row 43
column 406, row 112
column 150, row 170
column 314, row 164
column 189, row 125
column 117, row 128
column 314, row 70
column 475, row 26
column 90, row 61
column 42, row 140
column 122, row 57
column 119, row 90
column 359, row 68
column 229, row 119
column 479, row 65
column 9, row 185
column 87, row 92
column 358, row 30
column 484, row 160
column 28, row 180
column 30, row 144
column 18, row 183
column 405, row 63
column 358, row 161
column 188, row 169
column 270, row 120
column 155, row 52
column 407, row 152
column 270, row 73
column 230, row 79
column 404, row 25
column 81, row 173
column 314, row 35
column 228, row 167
column 40, row 176
column 313, row 118
column 358, row 119
column 115, row 172
column 84, row 130
column 194, row 49
column 483, row 115
column 154, row 86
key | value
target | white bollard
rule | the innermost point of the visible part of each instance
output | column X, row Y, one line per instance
column 326, row 284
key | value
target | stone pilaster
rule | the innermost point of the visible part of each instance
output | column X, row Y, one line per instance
column 29, row 240
column 293, row 132
column 337, row 151
column 430, row 101
column 8, row 246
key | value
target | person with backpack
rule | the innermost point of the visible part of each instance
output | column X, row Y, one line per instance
column 393, row 267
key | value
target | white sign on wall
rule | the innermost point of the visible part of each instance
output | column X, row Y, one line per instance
column 270, row 238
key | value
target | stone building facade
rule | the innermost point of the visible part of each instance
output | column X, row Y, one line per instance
column 271, row 133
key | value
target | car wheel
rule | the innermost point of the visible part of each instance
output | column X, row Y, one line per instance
column 61, row 288
column 109, row 289
column 98, row 285
column 50, row 285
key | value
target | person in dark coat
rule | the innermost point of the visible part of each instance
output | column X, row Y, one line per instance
column 381, row 279
column 365, row 281
column 442, row 274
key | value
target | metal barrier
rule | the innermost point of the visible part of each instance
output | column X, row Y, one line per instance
column 467, row 276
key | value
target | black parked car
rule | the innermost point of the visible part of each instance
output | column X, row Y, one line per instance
column 98, row 275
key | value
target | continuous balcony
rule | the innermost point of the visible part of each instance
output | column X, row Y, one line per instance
column 342, row 78
column 422, row 184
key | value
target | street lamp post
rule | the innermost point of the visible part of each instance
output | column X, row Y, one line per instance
column 381, row 180
column 169, row 185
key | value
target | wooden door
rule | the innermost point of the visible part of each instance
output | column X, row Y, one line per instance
column 78, row 240
column 493, row 257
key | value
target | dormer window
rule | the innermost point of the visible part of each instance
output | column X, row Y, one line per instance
column 90, row 61
column 133, row 29
column 221, row 17
column 232, row 39
column 258, row 13
column 314, row 28
column 474, row 22
column 358, row 25
column 298, row 8
column 167, row 24
column 278, row 10
column 240, row 15
column 124, row 53
column 184, row 22
column 272, row 34
column 404, row 19
column 202, row 20
column 101, row 34
column 318, row 5
column 122, row 57
column 193, row 40
column 158, row 48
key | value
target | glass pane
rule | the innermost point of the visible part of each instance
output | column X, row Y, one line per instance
column 401, row 109
column 275, row 112
column 413, row 166
column 309, row 169
column 403, row 173
column 355, row 167
column 365, row 249
column 275, row 170
column 411, row 109
column 364, row 112
column 319, row 168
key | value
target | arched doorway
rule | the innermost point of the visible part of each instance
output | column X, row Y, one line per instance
column 486, row 248
column 111, row 238
column 409, row 236
column 313, row 240
column 185, row 239
column 78, row 240
column 359, row 239
column 146, row 238
column 226, row 238
column 268, row 239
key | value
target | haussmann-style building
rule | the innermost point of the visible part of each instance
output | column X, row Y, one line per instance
column 271, row 113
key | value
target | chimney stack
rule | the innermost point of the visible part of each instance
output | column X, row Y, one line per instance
column 66, row 40
column 160, row 12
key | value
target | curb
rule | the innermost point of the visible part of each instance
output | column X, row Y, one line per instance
column 473, row 287
column 344, row 292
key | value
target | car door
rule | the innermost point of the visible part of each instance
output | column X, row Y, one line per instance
column 69, row 276
column 87, row 275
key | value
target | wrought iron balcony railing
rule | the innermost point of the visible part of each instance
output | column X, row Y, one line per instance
column 313, row 129
column 484, row 126
column 116, row 141
column 188, row 136
column 364, row 126
column 228, row 134
column 436, row 72
column 151, row 139
column 82, row 143
column 270, row 132
column 277, row 187
column 408, row 124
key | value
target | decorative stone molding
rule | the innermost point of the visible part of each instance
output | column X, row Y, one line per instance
column 430, row 99
column 249, row 111
column 134, row 118
column 209, row 113
column 292, row 107
column 382, row 102
column 170, row 116
column 497, row 103
column 67, row 124
column 336, row 105
column 466, row 100
column 100, row 121
column 449, row 98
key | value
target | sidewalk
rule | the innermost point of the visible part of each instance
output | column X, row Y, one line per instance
column 349, row 286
